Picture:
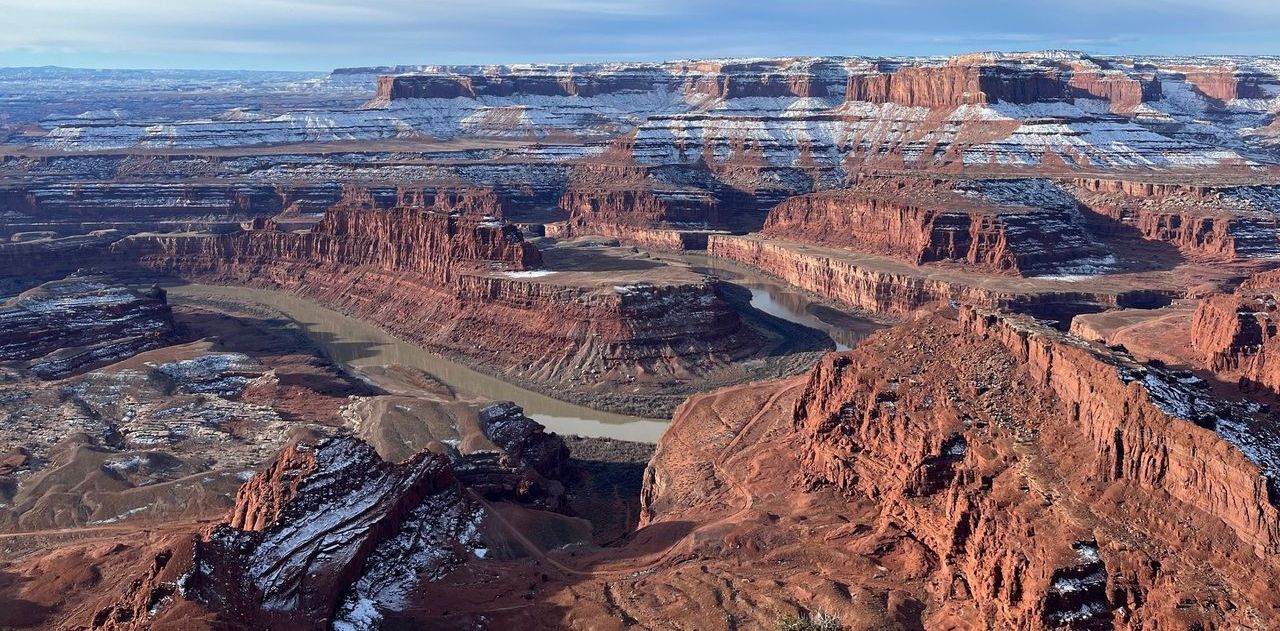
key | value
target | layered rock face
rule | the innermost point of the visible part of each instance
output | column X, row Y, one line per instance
column 430, row 241
column 718, row 143
column 972, row 473
column 37, row 202
column 928, row 222
column 967, row 470
column 892, row 287
column 329, row 535
column 1013, row 481
column 659, row 239
column 71, row 194
column 1124, row 92
column 81, row 322
column 1204, row 220
column 747, row 133
column 28, row 262
column 962, row 80
column 1226, row 84
column 614, row 196
column 466, row 200
column 956, row 83
column 707, row 79
column 1235, row 333
column 527, row 466
column 319, row 537
column 638, row 206
column 464, row 286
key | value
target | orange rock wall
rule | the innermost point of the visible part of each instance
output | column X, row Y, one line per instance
column 901, row 434
column 914, row 233
column 898, row 293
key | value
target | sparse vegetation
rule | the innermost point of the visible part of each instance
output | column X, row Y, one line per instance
column 813, row 621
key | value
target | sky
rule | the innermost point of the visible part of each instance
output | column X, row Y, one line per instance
column 325, row 34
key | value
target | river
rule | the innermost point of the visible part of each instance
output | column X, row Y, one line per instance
column 777, row 298
column 363, row 348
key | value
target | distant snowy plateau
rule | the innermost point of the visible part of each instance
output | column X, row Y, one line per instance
column 1053, row 109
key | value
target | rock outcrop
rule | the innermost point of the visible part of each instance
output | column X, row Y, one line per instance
column 987, row 472
column 1082, row 427
column 527, row 466
column 81, row 322
column 328, row 533
column 427, row 241
column 1225, row 84
column 29, row 262
column 924, row 221
column 465, row 286
column 658, row 239
column 693, row 79
column 1204, row 220
column 1235, row 333
column 889, row 286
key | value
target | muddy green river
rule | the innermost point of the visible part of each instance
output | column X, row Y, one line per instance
column 361, row 347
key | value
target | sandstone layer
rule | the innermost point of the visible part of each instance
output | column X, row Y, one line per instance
column 715, row 141
column 311, row 541
column 923, row 221
column 1085, row 560
column 81, row 322
column 329, row 535
column 1204, row 220
column 466, row 287
column 890, row 286
column 1235, row 333
column 967, row 470
column 1000, row 474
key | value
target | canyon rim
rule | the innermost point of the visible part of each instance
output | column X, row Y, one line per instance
column 975, row 340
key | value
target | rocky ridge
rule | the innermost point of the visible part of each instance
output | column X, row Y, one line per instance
column 308, row 541
column 890, row 286
column 1050, row 483
column 923, row 221
column 1235, row 333
column 1205, row 220
column 329, row 535
column 468, row 287
column 81, row 322
column 996, row 108
column 1031, row 488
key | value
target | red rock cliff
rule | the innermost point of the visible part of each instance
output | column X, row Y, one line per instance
column 1057, row 484
column 1201, row 220
column 954, row 84
column 972, row 471
column 923, row 224
column 355, row 233
column 1224, row 84
column 896, row 288
column 453, row 284
column 1236, row 333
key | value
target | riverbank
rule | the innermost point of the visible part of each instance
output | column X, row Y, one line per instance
column 367, row 351
column 800, row 328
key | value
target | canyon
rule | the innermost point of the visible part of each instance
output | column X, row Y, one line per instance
column 633, row 334
column 970, row 342
column 1050, row 484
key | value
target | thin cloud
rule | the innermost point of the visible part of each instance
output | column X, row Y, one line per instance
column 318, row 34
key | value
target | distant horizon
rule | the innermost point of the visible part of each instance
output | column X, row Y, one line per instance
column 321, row 35
column 638, row 61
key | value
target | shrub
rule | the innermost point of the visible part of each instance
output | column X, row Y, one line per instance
column 814, row 621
